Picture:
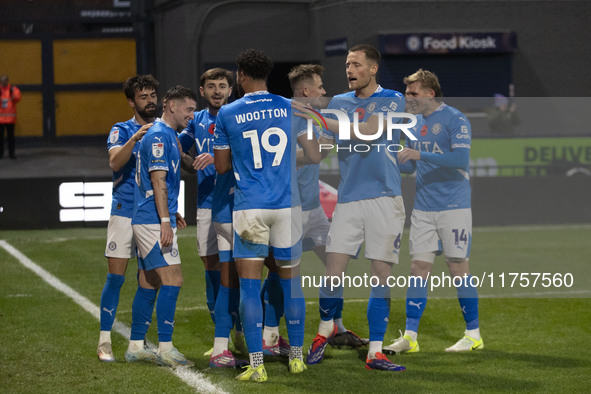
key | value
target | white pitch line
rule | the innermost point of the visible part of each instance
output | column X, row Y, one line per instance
column 191, row 377
column 66, row 239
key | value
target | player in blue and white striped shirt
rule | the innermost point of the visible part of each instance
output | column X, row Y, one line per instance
column 441, row 220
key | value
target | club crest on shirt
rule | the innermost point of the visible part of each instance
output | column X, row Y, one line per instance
column 436, row 129
column 158, row 149
column 114, row 136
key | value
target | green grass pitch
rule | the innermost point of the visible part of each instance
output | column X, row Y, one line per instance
column 535, row 338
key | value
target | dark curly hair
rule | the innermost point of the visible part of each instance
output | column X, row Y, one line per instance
column 138, row 83
column 254, row 63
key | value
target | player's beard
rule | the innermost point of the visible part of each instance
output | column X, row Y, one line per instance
column 148, row 112
column 215, row 105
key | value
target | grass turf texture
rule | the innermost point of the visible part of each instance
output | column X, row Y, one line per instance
column 49, row 342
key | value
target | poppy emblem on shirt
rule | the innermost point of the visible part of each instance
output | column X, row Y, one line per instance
column 211, row 128
column 424, row 130
column 361, row 112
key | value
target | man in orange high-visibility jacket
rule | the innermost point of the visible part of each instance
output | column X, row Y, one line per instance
column 10, row 95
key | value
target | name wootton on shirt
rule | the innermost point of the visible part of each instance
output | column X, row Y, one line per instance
column 262, row 114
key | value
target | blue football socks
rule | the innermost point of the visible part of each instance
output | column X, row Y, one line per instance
column 212, row 286
column 468, row 298
column 416, row 301
column 251, row 313
column 141, row 312
column 110, row 300
column 295, row 310
column 165, row 310
column 378, row 312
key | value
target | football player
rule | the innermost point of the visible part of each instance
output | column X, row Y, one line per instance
column 122, row 145
column 441, row 220
column 155, row 221
column 369, row 208
column 254, row 139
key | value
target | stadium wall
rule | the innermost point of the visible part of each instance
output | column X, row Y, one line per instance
column 548, row 61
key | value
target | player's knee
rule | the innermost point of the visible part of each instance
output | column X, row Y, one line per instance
column 117, row 266
column 212, row 262
column 149, row 279
column 233, row 282
column 381, row 270
column 420, row 268
column 458, row 266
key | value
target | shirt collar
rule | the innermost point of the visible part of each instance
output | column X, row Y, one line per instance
column 256, row 93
